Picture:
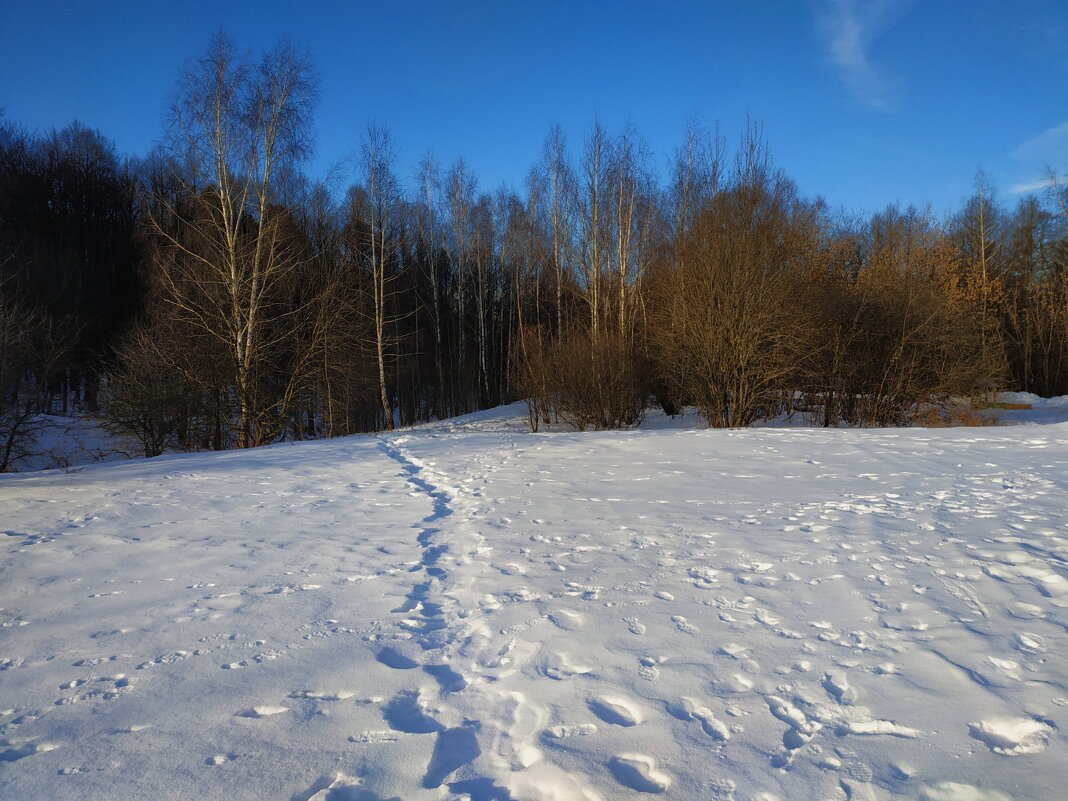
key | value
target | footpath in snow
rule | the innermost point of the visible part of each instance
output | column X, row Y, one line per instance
column 468, row 610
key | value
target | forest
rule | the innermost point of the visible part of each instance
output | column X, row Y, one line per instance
column 210, row 294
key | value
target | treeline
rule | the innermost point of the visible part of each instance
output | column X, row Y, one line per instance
column 211, row 295
column 70, row 264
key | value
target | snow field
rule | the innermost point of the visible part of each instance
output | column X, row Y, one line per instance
column 467, row 610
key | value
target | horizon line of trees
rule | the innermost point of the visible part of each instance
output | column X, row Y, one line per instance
column 211, row 295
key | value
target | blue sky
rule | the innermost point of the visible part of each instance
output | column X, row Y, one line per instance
column 864, row 102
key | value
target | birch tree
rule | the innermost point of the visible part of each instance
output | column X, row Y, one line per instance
column 982, row 280
column 593, row 204
column 460, row 187
column 376, row 206
column 558, row 182
column 237, row 128
column 429, row 183
column 633, row 218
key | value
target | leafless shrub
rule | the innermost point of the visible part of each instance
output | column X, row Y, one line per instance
column 597, row 383
column 727, row 329
column 148, row 398
column 32, row 348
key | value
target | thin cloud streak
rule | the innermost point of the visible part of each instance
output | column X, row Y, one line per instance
column 1044, row 151
column 1048, row 147
column 1030, row 186
column 848, row 29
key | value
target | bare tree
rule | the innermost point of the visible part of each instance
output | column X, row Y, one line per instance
column 696, row 176
column 376, row 206
column 239, row 128
column 633, row 222
column 728, row 330
column 1058, row 190
column 981, row 279
column 594, row 201
column 1036, row 304
column 427, row 227
column 484, row 256
column 32, row 347
column 897, row 327
column 148, row 398
column 559, row 185
column 460, row 186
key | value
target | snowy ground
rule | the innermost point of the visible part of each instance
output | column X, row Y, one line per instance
column 469, row 609
column 64, row 442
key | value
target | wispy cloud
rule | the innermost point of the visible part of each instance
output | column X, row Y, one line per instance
column 1047, row 148
column 1029, row 186
column 1038, row 155
column 848, row 28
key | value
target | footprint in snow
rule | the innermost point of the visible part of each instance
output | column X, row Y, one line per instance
column 336, row 786
column 407, row 712
column 12, row 752
column 616, row 709
column 263, row 711
column 1012, row 736
column 634, row 626
column 838, row 687
column 105, row 688
column 639, row 772
column 800, row 730
column 167, row 659
column 692, row 709
column 221, row 759
column 648, row 668
column 288, row 589
column 391, row 657
column 453, row 749
column 733, row 649
column 765, row 617
column 449, row 679
column 379, row 736
column 733, row 682
column 74, row 771
column 857, row 790
column 877, row 727
column 558, row 666
column 323, row 695
column 685, row 627
column 566, row 619
column 580, row 730
column 98, row 660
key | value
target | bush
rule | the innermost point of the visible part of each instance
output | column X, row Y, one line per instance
column 587, row 382
column 147, row 398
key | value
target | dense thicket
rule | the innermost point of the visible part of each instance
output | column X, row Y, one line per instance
column 211, row 295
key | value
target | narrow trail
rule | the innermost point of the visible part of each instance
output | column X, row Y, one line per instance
column 485, row 733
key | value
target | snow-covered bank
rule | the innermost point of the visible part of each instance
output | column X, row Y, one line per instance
column 1042, row 411
column 70, row 442
column 58, row 442
column 470, row 610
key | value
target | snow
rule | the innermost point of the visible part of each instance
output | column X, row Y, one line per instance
column 66, row 442
column 469, row 610
column 1043, row 411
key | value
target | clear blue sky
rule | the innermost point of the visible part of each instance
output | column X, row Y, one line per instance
column 863, row 101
